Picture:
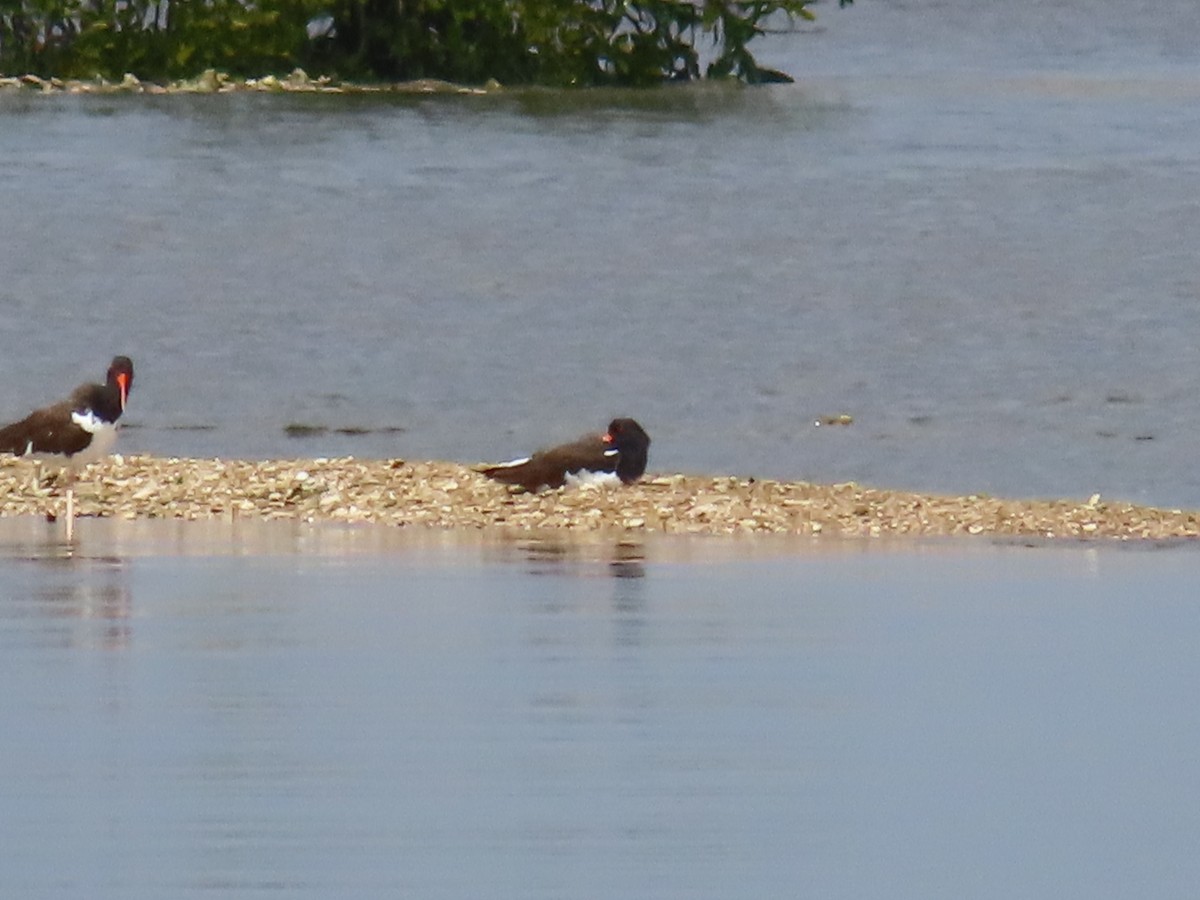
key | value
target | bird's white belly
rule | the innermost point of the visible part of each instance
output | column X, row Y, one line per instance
column 585, row 478
column 104, row 438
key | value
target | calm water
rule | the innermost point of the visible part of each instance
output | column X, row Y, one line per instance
column 362, row 714
column 970, row 226
column 973, row 230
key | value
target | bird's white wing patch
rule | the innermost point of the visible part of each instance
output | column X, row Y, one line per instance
column 611, row 451
column 511, row 464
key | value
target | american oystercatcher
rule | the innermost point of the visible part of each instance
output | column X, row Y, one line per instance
column 616, row 456
column 77, row 431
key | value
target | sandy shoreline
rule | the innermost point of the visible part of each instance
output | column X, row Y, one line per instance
column 210, row 81
column 452, row 496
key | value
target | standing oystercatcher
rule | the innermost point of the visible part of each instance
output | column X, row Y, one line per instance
column 77, row 431
column 620, row 454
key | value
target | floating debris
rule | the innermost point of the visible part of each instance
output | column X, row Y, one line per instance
column 304, row 430
column 360, row 430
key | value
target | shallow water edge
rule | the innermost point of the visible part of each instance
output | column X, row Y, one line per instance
column 615, row 553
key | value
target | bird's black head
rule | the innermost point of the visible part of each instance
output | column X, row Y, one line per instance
column 633, row 446
column 120, row 373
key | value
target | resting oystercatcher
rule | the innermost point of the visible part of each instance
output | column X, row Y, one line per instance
column 618, row 455
column 77, row 431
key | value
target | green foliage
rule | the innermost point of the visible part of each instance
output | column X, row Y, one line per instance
column 151, row 38
column 557, row 42
column 466, row 41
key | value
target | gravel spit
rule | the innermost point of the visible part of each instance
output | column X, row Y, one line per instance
column 452, row 496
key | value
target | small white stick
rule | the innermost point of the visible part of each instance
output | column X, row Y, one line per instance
column 70, row 514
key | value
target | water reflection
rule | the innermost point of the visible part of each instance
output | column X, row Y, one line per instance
column 622, row 562
column 550, row 555
column 628, row 560
column 701, row 103
column 105, row 609
column 59, row 595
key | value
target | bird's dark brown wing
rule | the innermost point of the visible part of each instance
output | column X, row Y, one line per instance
column 48, row 430
column 549, row 468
